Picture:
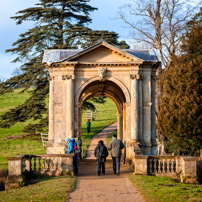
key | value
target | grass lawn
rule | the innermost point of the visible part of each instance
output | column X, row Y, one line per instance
column 12, row 142
column 164, row 189
column 44, row 189
column 106, row 114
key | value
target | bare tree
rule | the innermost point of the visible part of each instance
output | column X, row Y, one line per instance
column 159, row 23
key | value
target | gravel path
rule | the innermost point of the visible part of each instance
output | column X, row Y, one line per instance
column 105, row 188
column 103, row 135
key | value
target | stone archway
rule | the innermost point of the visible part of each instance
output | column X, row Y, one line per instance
column 125, row 76
column 106, row 88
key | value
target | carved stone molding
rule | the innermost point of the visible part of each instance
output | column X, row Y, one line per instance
column 102, row 73
column 135, row 76
column 50, row 78
column 67, row 77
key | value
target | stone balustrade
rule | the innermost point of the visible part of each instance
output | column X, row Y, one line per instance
column 44, row 164
column 40, row 165
column 170, row 166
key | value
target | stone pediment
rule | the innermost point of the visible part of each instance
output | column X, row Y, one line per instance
column 102, row 53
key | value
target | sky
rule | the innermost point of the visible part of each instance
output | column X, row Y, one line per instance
column 102, row 19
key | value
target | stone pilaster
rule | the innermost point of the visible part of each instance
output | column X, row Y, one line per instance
column 69, row 105
column 153, row 116
column 147, row 104
column 120, row 125
column 51, row 116
column 140, row 109
column 134, row 107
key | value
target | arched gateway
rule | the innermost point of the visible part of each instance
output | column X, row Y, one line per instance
column 125, row 76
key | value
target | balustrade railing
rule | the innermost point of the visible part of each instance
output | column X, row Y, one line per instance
column 161, row 165
column 48, row 164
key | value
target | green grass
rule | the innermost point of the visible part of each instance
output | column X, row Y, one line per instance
column 44, row 189
column 161, row 189
column 106, row 114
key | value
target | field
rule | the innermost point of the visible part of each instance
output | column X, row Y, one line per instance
column 14, row 142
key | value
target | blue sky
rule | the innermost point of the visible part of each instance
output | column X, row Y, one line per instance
column 103, row 19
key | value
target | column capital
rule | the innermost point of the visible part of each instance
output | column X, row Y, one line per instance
column 67, row 77
column 50, row 78
column 135, row 76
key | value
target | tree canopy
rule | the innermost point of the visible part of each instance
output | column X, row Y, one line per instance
column 180, row 114
column 59, row 24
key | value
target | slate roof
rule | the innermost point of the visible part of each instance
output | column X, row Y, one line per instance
column 59, row 55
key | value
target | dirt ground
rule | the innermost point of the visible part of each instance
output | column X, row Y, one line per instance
column 109, row 187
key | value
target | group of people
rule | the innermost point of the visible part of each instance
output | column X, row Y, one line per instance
column 101, row 153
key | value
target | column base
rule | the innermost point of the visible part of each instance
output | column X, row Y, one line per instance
column 136, row 147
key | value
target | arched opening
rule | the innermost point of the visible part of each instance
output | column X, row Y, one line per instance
column 108, row 89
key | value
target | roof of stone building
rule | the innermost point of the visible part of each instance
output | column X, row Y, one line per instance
column 60, row 55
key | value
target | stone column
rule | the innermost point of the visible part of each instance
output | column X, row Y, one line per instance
column 140, row 110
column 147, row 104
column 153, row 117
column 70, row 106
column 134, row 108
column 51, row 112
column 120, row 125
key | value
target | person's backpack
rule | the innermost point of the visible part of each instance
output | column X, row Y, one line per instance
column 79, row 142
column 100, row 152
column 77, row 150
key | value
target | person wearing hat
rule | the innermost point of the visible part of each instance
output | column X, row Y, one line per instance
column 116, row 146
column 101, row 153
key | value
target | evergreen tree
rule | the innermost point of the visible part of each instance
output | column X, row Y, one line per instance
column 180, row 114
column 93, row 36
column 58, row 25
column 123, row 45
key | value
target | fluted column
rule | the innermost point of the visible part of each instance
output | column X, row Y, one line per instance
column 120, row 125
column 134, row 107
column 51, row 111
column 70, row 106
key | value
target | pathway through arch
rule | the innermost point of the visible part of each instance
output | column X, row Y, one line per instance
column 109, row 187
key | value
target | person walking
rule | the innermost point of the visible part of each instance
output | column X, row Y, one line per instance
column 115, row 146
column 72, row 147
column 101, row 153
column 88, row 124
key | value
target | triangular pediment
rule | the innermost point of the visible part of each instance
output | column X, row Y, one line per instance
column 102, row 52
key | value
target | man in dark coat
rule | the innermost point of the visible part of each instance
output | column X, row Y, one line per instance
column 101, row 153
column 116, row 146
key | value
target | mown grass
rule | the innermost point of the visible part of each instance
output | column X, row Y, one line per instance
column 161, row 189
column 44, row 189
column 106, row 114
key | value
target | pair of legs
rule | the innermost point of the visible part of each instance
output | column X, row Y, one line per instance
column 101, row 168
column 116, row 165
column 88, row 130
column 75, row 164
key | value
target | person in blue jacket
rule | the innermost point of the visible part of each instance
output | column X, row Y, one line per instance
column 72, row 147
